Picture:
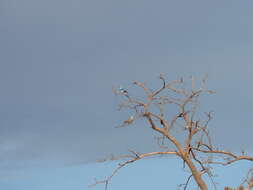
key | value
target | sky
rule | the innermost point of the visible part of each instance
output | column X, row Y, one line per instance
column 59, row 61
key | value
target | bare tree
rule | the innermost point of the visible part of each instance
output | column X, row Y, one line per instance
column 196, row 150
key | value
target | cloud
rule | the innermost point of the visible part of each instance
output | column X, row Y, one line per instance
column 60, row 60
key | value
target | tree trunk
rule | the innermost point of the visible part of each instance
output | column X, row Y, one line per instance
column 195, row 173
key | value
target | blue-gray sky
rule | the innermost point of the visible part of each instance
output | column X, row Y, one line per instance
column 60, row 59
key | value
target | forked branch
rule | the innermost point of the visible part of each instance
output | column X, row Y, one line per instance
column 196, row 150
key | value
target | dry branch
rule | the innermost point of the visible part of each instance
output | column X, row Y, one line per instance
column 197, row 149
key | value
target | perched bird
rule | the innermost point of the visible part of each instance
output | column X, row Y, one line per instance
column 122, row 90
column 187, row 127
column 161, row 121
column 129, row 120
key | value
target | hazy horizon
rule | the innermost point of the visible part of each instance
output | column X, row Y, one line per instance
column 61, row 59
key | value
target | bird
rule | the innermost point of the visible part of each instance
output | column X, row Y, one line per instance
column 122, row 90
column 161, row 121
column 187, row 127
column 129, row 120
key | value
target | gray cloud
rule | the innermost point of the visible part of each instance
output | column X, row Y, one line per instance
column 60, row 59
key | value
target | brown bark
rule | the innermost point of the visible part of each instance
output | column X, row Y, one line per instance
column 197, row 148
column 195, row 173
